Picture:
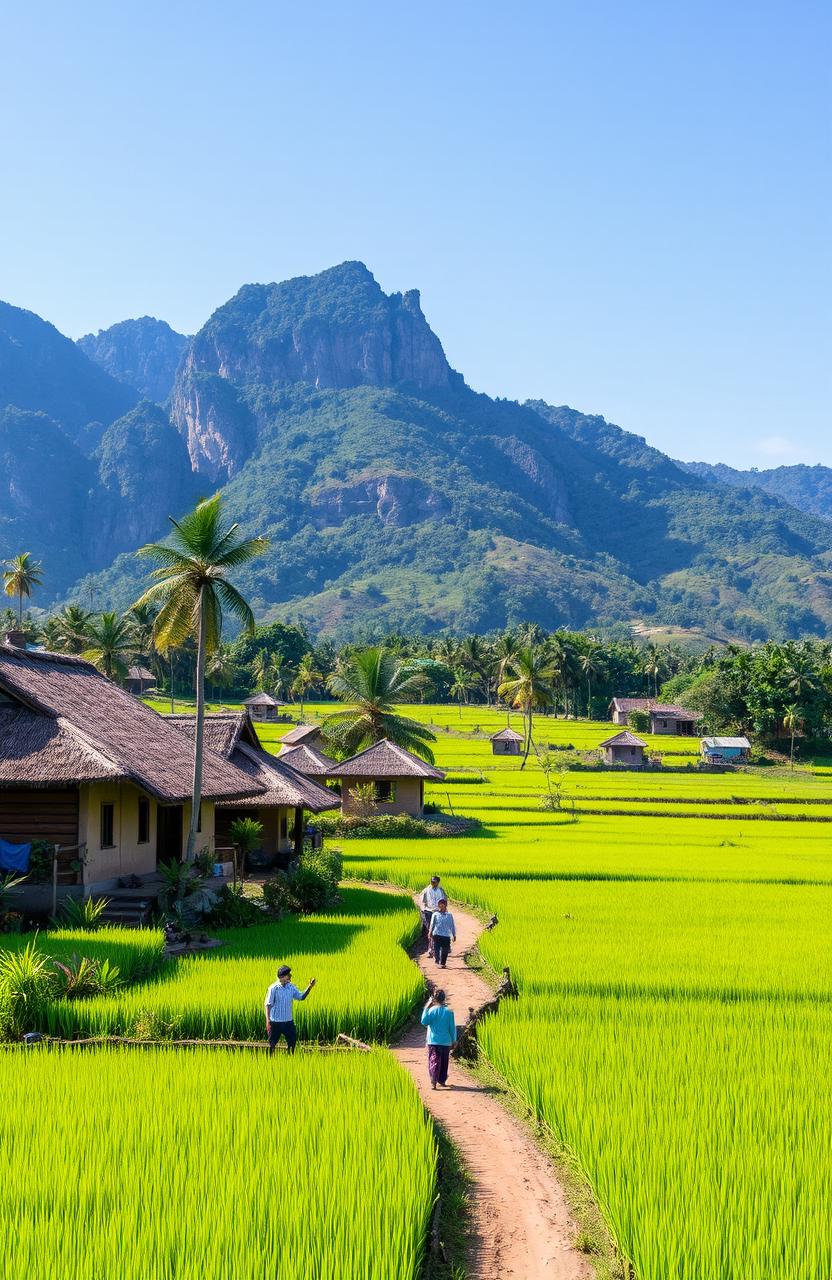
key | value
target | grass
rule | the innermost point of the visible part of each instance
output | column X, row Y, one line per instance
column 233, row 1166
column 366, row 986
column 137, row 952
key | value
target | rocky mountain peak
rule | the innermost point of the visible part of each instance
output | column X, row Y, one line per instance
column 143, row 353
column 334, row 330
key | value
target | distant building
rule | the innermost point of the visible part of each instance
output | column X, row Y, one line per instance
column 139, row 681
column 506, row 743
column 262, row 706
column 397, row 778
column 725, row 750
column 663, row 718
column 309, row 733
column 624, row 749
column 308, row 760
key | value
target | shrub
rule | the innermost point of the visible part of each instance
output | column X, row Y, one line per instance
column 639, row 721
column 310, row 885
column 25, row 983
column 233, row 910
column 388, row 826
column 277, row 893
column 83, row 913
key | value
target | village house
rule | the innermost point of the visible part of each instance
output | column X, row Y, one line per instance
column 308, row 760
column 87, row 767
column 663, row 718
column 285, row 791
column 139, row 681
column 725, row 750
column 263, row 707
column 508, row 742
column 308, row 733
column 395, row 776
column 624, row 749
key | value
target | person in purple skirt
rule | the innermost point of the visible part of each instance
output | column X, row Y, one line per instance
column 441, row 1037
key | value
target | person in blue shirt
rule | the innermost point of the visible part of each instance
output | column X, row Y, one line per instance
column 441, row 1025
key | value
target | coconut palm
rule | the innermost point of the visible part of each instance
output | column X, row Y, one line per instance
column 221, row 669
column 20, row 575
column 306, row 676
column 111, row 643
column 72, row 628
column 791, row 721
column 463, row 683
column 374, row 682
column 591, row 663
column 528, row 687
column 261, row 665
column 193, row 590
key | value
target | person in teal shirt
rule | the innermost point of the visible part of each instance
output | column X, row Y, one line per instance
column 441, row 1025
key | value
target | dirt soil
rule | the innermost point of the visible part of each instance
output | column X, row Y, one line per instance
column 521, row 1225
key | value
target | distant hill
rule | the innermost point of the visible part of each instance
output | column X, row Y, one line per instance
column 45, row 372
column 807, row 488
column 142, row 353
column 396, row 497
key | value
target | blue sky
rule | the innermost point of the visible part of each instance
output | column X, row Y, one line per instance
column 622, row 207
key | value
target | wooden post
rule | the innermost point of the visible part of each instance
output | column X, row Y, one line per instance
column 55, row 849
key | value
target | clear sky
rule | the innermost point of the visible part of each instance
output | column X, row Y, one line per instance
column 621, row 207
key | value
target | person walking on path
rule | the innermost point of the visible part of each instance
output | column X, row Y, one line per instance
column 280, row 997
column 431, row 895
column 441, row 1025
column 442, row 930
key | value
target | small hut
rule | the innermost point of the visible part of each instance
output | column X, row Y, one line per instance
column 508, row 742
column 308, row 760
column 139, row 681
column 725, row 750
column 262, row 706
column 663, row 718
column 624, row 749
column 397, row 778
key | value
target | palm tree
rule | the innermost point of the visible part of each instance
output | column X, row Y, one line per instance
column 463, row 682
column 221, row 669
column 110, row 642
column 591, row 663
column 193, row 589
column 281, row 675
column 506, row 647
column 791, row 720
column 653, row 664
column 72, row 628
column 528, row 687
column 374, row 682
column 20, row 575
column 305, row 677
column 261, row 665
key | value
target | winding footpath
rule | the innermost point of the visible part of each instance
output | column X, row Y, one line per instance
column 521, row 1225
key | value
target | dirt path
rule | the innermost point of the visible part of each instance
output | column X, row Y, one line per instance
column 521, row 1224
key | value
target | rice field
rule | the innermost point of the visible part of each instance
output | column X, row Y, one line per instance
column 185, row 1165
column 675, row 971
column 366, row 985
column 136, row 952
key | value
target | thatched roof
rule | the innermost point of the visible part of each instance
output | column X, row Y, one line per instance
column 623, row 739
column 140, row 673
column 234, row 736
column 261, row 700
column 308, row 760
column 385, row 760
column 300, row 733
column 507, row 735
column 93, row 729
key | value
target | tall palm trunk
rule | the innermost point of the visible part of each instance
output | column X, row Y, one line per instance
column 196, row 802
column 528, row 744
column 20, row 609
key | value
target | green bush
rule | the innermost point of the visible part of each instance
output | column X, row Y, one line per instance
column 310, row 885
column 639, row 721
column 277, row 893
column 388, row 826
column 234, row 910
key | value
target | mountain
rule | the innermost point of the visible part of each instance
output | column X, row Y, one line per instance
column 396, row 497
column 42, row 371
column 142, row 353
column 807, row 488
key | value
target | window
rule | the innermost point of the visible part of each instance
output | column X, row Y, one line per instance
column 144, row 820
column 385, row 791
column 107, row 825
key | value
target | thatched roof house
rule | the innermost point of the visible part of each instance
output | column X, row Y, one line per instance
column 262, row 706
column 623, row 749
column 285, row 791
column 85, row 765
column 397, row 778
column 308, row 760
column 139, row 680
column 507, row 742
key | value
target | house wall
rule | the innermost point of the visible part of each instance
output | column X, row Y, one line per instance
column 410, row 797
column 619, row 717
column 205, row 838
column 36, row 813
column 127, row 857
column 631, row 756
column 505, row 748
column 278, row 823
column 669, row 724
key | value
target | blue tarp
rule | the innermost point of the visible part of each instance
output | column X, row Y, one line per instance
column 14, row 857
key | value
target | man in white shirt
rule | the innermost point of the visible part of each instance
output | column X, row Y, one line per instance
column 442, row 930
column 431, row 895
column 280, row 997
